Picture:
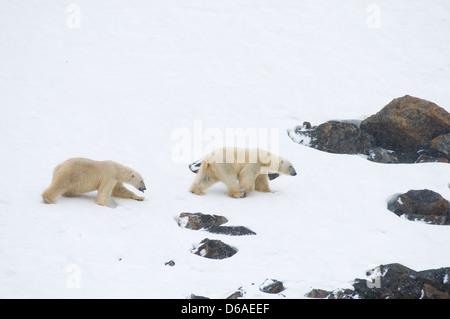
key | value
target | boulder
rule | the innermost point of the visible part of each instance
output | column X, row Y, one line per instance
column 214, row 249
column 424, row 205
column 271, row 286
column 407, row 124
column 335, row 137
column 395, row 282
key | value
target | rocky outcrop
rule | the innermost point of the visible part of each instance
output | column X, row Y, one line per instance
column 394, row 281
column 407, row 130
column 423, row 205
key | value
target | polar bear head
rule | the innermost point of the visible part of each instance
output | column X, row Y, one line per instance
column 286, row 167
column 277, row 164
column 133, row 178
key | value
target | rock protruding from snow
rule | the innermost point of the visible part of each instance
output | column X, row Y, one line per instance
column 395, row 281
column 408, row 124
column 407, row 130
column 272, row 286
column 214, row 249
column 335, row 137
column 231, row 230
column 423, row 205
column 212, row 224
column 198, row 221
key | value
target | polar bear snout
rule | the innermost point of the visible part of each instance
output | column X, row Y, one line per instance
column 142, row 187
column 292, row 171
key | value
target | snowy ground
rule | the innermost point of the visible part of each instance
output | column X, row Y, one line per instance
column 137, row 74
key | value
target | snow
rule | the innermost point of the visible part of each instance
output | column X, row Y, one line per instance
column 133, row 73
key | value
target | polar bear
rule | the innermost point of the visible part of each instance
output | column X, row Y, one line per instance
column 240, row 169
column 81, row 175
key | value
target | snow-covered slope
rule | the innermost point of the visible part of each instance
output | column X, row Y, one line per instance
column 139, row 81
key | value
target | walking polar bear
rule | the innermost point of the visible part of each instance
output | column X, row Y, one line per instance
column 241, row 170
column 76, row 176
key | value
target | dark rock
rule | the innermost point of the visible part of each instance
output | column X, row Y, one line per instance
column 380, row 155
column 214, row 249
column 407, row 124
column 272, row 286
column 237, row 294
column 318, row 293
column 404, row 130
column 212, row 224
column 396, row 282
column 198, row 297
column 170, row 263
column 272, row 176
column 441, row 144
column 336, row 137
column 198, row 221
column 231, row 230
column 424, row 205
column 423, row 158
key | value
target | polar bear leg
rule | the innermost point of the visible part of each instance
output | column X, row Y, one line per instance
column 262, row 183
column 232, row 185
column 122, row 192
column 203, row 180
column 104, row 193
column 50, row 194
column 56, row 189
column 247, row 179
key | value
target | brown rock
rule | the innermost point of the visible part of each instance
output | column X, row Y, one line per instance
column 318, row 293
column 423, row 205
column 441, row 144
column 430, row 292
column 214, row 249
column 407, row 124
column 198, row 221
column 272, row 286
